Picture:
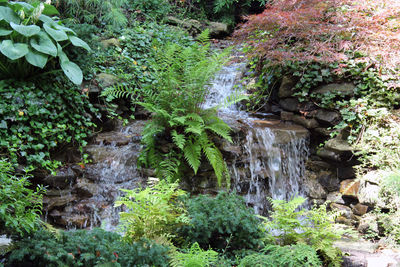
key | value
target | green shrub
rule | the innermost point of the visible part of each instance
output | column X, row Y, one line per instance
column 37, row 119
column 223, row 222
column 85, row 248
column 152, row 9
column 30, row 40
column 283, row 256
column 20, row 206
column 194, row 257
column 291, row 225
column 154, row 212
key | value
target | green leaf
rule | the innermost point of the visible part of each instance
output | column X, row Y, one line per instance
column 79, row 42
column 3, row 124
column 46, row 19
column 5, row 32
column 26, row 31
column 50, row 10
column 192, row 153
column 13, row 50
column 72, row 71
column 36, row 58
column 63, row 28
column 179, row 139
column 8, row 15
column 58, row 35
column 62, row 56
column 44, row 44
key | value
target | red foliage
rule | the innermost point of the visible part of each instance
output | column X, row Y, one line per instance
column 319, row 30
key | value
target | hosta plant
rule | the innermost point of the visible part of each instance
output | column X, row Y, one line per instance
column 30, row 40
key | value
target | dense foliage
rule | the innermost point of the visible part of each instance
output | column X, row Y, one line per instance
column 194, row 257
column 36, row 119
column 223, row 223
column 85, row 248
column 20, row 206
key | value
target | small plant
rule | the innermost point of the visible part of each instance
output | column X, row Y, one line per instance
column 20, row 207
column 30, row 40
column 154, row 212
column 85, row 248
column 291, row 225
column 194, row 257
column 223, row 222
column 283, row 256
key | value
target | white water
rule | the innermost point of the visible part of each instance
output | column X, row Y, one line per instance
column 281, row 163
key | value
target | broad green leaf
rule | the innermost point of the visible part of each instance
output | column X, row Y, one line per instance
column 44, row 44
column 63, row 28
column 58, row 35
column 8, row 15
column 46, row 19
column 13, row 50
column 3, row 124
column 20, row 5
column 5, row 32
column 63, row 57
column 50, row 10
column 79, row 42
column 26, row 31
column 72, row 71
column 36, row 58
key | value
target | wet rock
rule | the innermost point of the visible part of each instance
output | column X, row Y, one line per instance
column 308, row 123
column 344, row 220
column 323, row 131
column 317, row 165
column 84, row 188
column 350, row 188
column 314, row 188
column 63, row 178
column 58, row 201
column 110, row 42
column 342, row 89
column 231, row 148
column 335, row 197
column 360, row 209
column 369, row 195
column 289, row 104
column 113, row 138
column 287, row 116
column 328, row 180
column 338, row 145
column 286, row 88
column 218, row 29
column 107, row 80
column 79, row 221
column 328, row 154
column 329, row 118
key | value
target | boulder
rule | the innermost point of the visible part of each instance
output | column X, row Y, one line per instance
column 113, row 138
column 328, row 154
column 218, row 29
column 63, row 178
column 369, row 195
column 50, row 202
column 287, row 116
column 110, row 42
column 328, row 180
column 343, row 89
column 107, row 80
column 286, row 88
column 84, row 188
column 360, row 209
column 314, row 188
column 289, row 104
column 350, row 188
column 308, row 123
column 338, row 145
column 335, row 197
column 326, row 117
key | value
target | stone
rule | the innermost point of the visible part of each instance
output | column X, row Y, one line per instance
column 343, row 89
column 113, row 138
column 64, row 177
column 360, row 209
column 335, row 197
column 286, row 88
column 110, row 42
column 350, row 188
column 328, row 154
column 323, row 131
column 369, row 195
column 218, row 29
column 345, row 173
column 85, row 188
column 231, row 148
column 107, row 80
column 289, row 104
column 338, row 145
column 315, row 189
column 344, row 220
column 317, row 165
column 58, row 201
column 329, row 118
column 328, row 180
column 308, row 123
column 287, row 116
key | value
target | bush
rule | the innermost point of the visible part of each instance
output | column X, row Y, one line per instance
column 85, row 248
column 194, row 257
column 278, row 256
column 155, row 212
column 222, row 223
column 38, row 118
column 20, row 206
column 31, row 39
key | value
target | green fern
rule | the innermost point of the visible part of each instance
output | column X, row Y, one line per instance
column 120, row 91
column 195, row 257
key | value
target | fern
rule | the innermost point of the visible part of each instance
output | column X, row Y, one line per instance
column 195, row 257
column 192, row 153
column 119, row 91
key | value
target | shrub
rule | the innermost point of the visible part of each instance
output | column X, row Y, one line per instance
column 283, row 256
column 194, row 257
column 291, row 225
column 38, row 118
column 222, row 222
column 85, row 248
column 30, row 40
column 154, row 212
column 20, row 206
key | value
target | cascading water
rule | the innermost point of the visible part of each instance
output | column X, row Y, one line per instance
column 276, row 152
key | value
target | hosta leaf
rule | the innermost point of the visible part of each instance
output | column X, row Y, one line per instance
column 44, row 44
column 56, row 34
column 46, row 19
column 5, row 32
column 72, row 71
column 63, row 28
column 36, row 58
column 62, row 56
column 19, row 5
column 50, row 10
column 79, row 42
column 27, row 31
column 13, row 50
column 8, row 15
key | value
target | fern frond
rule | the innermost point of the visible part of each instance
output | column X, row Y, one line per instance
column 192, row 154
column 118, row 91
column 179, row 139
column 194, row 127
column 220, row 128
